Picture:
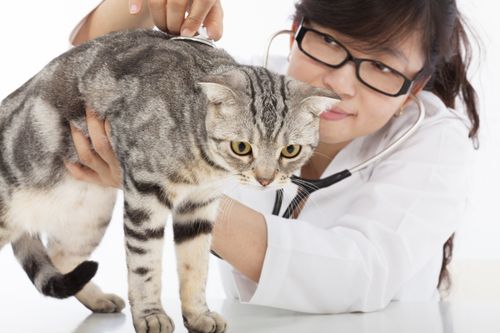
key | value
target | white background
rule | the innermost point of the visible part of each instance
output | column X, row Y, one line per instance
column 33, row 32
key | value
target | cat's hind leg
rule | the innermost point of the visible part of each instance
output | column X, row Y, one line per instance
column 73, row 244
column 32, row 254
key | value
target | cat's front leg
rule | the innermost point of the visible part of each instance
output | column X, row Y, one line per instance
column 145, row 215
column 193, row 220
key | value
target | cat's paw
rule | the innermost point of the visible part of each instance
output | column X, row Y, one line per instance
column 157, row 322
column 106, row 303
column 208, row 322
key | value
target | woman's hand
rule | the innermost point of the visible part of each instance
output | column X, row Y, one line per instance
column 99, row 164
column 169, row 15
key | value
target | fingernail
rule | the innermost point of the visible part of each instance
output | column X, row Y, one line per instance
column 187, row 32
column 134, row 8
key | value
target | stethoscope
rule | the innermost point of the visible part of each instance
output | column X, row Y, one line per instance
column 308, row 186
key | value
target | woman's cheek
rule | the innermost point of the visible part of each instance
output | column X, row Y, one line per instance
column 379, row 111
column 302, row 68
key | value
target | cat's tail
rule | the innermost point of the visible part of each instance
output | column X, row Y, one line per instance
column 32, row 255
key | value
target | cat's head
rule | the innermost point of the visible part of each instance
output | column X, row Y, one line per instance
column 262, row 126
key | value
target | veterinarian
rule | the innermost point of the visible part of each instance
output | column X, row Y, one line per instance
column 384, row 234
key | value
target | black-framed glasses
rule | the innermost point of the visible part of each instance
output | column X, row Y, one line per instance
column 327, row 50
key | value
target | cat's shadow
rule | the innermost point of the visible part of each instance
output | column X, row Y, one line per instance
column 101, row 322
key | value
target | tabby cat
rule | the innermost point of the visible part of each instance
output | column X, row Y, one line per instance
column 184, row 117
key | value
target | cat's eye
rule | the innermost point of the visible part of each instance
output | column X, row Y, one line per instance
column 241, row 148
column 291, row 151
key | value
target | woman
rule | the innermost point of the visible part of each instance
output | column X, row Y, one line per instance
column 383, row 234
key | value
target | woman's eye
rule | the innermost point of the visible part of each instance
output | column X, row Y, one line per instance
column 241, row 148
column 381, row 67
column 291, row 151
column 330, row 41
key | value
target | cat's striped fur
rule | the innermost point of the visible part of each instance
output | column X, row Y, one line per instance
column 174, row 107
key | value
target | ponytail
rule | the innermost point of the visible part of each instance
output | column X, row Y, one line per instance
column 450, row 81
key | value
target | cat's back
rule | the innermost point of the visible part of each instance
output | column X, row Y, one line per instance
column 145, row 64
column 146, row 53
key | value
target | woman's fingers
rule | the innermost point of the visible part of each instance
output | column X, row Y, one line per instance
column 134, row 6
column 86, row 153
column 93, row 168
column 176, row 10
column 214, row 21
column 169, row 15
column 158, row 10
column 197, row 14
column 99, row 138
column 83, row 173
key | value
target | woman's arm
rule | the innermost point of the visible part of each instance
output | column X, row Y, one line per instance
column 240, row 237
column 112, row 15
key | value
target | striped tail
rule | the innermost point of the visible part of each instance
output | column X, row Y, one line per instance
column 32, row 255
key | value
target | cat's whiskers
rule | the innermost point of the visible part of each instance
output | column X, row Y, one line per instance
column 305, row 183
column 303, row 196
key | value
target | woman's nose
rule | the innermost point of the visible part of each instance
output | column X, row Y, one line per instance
column 342, row 80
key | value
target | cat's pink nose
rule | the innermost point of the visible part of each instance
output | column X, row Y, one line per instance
column 264, row 181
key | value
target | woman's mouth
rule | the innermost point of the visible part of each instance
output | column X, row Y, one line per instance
column 335, row 113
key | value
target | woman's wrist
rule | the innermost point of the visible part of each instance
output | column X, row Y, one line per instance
column 240, row 237
column 112, row 15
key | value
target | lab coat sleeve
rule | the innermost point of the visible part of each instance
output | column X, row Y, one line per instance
column 407, row 209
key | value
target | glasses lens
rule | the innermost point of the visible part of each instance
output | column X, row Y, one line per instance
column 380, row 77
column 323, row 48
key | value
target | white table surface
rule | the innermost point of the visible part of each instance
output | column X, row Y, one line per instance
column 44, row 315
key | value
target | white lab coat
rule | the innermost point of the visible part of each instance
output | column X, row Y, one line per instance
column 373, row 238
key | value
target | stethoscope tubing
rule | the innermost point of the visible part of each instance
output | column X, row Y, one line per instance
column 308, row 186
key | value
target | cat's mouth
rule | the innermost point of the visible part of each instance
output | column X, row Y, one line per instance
column 264, row 184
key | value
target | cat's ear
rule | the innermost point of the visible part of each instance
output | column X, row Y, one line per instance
column 223, row 87
column 217, row 93
column 318, row 104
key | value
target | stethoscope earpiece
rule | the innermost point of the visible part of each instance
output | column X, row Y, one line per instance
column 270, row 41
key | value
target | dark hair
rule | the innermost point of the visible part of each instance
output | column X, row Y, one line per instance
column 383, row 23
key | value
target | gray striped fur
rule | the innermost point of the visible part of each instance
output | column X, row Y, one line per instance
column 174, row 107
